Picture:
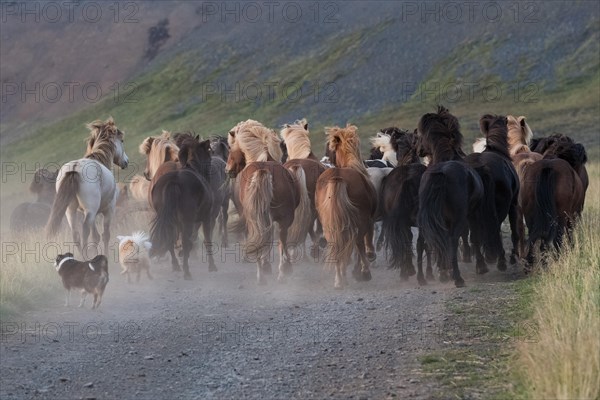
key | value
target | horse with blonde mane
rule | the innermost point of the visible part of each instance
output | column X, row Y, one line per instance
column 346, row 202
column 88, row 184
column 268, row 192
column 305, row 166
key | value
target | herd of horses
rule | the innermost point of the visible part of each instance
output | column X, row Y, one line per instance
column 421, row 179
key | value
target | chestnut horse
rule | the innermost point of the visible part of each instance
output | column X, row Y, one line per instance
column 450, row 192
column 268, row 193
column 400, row 204
column 346, row 203
column 300, row 157
column 89, row 185
column 183, row 200
column 553, row 203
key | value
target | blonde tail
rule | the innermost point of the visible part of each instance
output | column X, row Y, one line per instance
column 338, row 216
column 257, row 211
column 302, row 216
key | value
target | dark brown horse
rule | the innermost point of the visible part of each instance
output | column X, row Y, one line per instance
column 306, row 167
column 183, row 201
column 346, row 203
column 450, row 193
column 501, row 190
column 553, row 201
column 34, row 215
column 268, row 193
column 400, row 204
column 215, row 175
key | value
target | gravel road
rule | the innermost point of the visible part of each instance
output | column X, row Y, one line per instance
column 221, row 336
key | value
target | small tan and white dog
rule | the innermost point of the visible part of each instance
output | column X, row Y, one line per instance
column 133, row 254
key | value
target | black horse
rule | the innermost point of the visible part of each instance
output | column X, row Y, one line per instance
column 501, row 190
column 450, row 193
column 400, row 204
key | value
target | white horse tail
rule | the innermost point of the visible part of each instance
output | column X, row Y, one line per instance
column 302, row 215
column 67, row 192
column 257, row 209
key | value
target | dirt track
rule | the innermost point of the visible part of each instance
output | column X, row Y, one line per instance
column 222, row 336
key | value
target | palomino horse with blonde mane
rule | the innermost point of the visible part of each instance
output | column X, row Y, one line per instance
column 89, row 185
column 346, row 202
column 305, row 166
column 268, row 192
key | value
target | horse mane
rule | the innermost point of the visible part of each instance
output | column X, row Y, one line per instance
column 296, row 139
column 571, row 152
column 181, row 137
column 234, row 131
column 345, row 143
column 544, row 143
column 100, row 141
column 405, row 145
column 159, row 149
column 495, row 129
column 440, row 132
column 257, row 142
column 520, row 135
column 382, row 141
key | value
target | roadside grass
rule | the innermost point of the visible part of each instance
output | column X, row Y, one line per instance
column 27, row 274
column 563, row 362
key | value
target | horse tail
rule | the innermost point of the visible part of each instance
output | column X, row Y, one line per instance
column 544, row 221
column 302, row 216
column 396, row 228
column 488, row 217
column 163, row 229
column 430, row 217
column 338, row 216
column 67, row 192
column 257, row 209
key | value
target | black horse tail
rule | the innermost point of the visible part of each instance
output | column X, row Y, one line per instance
column 490, row 226
column 67, row 192
column 430, row 218
column 396, row 229
column 163, row 231
column 545, row 217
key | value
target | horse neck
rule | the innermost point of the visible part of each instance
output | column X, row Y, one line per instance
column 102, row 152
column 354, row 164
column 445, row 154
column 312, row 156
column 497, row 143
column 411, row 157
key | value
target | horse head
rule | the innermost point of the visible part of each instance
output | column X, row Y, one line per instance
column 236, row 162
column 158, row 150
column 107, row 141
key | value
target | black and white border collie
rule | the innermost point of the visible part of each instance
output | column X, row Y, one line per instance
column 91, row 277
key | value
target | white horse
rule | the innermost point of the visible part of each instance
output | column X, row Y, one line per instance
column 88, row 184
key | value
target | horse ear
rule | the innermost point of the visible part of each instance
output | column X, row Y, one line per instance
column 197, row 137
column 521, row 120
column 146, row 145
column 306, row 126
column 484, row 124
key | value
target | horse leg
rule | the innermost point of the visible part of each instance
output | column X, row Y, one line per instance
column 224, row 218
column 513, row 218
column 420, row 248
column 429, row 273
column 407, row 269
column 314, row 238
column 260, row 275
column 72, row 220
column 106, row 231
column 207, row 228
column 285, row 266
column 458, row 280
column 338, row 282
column 88, row 221
column 466, row 250
column 368, row 242
column 380, row 240
column 174, row 261
column 480, row 266
column 187, row 244
column 365, row 272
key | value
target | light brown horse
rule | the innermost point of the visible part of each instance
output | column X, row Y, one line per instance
column 303, row 163
column 268, row 193
column 346, row 203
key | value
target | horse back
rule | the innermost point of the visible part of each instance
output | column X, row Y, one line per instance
column 360, row 189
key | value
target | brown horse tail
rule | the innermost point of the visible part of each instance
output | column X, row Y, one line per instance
column 430, row 218
column 397, row 223
column 302, row 215
column 257, row 210
column 488, row 217
column 545, row 218
column 67, row 192
column 338, row 216
column 163, row 230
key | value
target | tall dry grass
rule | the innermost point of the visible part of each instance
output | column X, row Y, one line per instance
column 562, row 361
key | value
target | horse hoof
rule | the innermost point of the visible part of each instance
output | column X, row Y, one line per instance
column 176, row 267
column 460, row 282
column 430, row 276
column 444, row 277
column 281, row 278
column 314, row 252
column 212, row 268
column 481, row 268
column 411, row 271
column 513, row 259
column 371, row 256
column 266, row 268
column 356, row 275
column 404, row 275
column 338, row 286
column 322, row 242
column 262, row 281
column 187, row 276
column 366, row 275
column 422, row 281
